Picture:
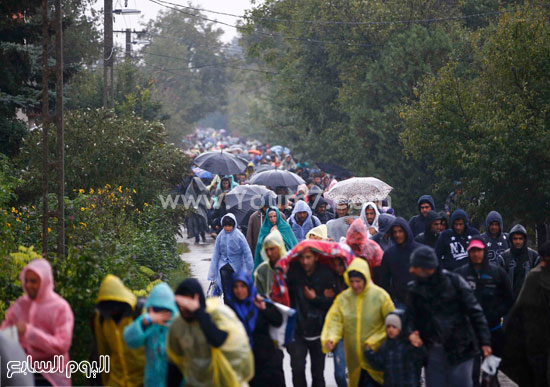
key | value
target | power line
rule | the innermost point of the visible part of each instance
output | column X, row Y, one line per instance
column 198, row 66
column 328, row 22
column 171, row 71
column 272, row 35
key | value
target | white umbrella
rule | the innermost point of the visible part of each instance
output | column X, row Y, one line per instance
column 359, row 190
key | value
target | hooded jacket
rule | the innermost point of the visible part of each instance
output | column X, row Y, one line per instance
column 384, row 223
column 398, row 359
column 363, row 216
column 264, row 273
column 284, row 229
column 358, row 319
column 49, row 321
column 394, row 271
column 495, row 246
column 127, row 364
column 427, row 237
column 519, row 262
column 491, row 287
column 444, row 309
column 319, row 231
column 153, row 337
column 418, row 222
column 255, row 222
column 230, row 248
column 311, row 221
column 450, row 247
column 337, row 228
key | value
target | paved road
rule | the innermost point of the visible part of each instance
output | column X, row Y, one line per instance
column 199, row 260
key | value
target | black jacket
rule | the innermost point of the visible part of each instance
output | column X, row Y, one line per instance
column 445, row 310
column 492, row 289
column 495, row 246
column 418, row 222
column 310, row 313
column 394, row 270
column 519, row 262
column 427, row 237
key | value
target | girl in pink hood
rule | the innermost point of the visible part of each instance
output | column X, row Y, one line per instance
column 43, row 319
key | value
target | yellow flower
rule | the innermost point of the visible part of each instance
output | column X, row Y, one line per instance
column 18, row 220
column 8, row 224
column 134, row 191
column 92, row 191
column 13, row 210
column 82, row 209
column 145, row 205
column 83, row 224
column 49, row 229
column 93, row 205
column 81, row 191
column 70, row 237
column 120, row 188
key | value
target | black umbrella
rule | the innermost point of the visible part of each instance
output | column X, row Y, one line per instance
column 220, row 162
column 244, row 198
column 277, row 178
column 334, row 169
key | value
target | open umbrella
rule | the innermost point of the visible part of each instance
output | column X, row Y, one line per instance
column 280, row 149
column 327, row 252
column 220, row 162
column 334, row 169
column 264, row 167
column 277, row 178
column 202, row 173
column 244, row 198
column 359, row 190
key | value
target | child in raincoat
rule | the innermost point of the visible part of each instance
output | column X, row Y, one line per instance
column 115, row 309
column 150, row 330
column 207, row 341
column 357, row 315
column 397, row 357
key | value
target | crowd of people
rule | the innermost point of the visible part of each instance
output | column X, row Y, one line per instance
column 426, row 301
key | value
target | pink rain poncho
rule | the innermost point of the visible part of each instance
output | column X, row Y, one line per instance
column 357, row 238
column 49, row 320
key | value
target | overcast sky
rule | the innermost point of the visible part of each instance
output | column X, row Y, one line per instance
column 149, row 11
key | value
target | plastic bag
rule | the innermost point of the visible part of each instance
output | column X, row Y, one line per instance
column 284, row 335
column 213, row 290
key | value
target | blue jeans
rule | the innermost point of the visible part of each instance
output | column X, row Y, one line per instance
column 340, row 364
column 440, row 374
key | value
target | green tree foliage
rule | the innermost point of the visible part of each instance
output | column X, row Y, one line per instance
column 104, row 148
column 488, row 123
column 187, row 61
column 339, row 86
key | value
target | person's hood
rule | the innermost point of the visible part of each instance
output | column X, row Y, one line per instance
column 376, row 212
column 493, row 216
column 300, row 206
column 357, row 233
column 426, row 199
column 190, row 287
column 458, row 214
column 162, row 296
column 248, row 279
column 519, row 229
column 315, row 190
column 320, row 231
column 112, row 289
column 274, row 238
column 232, row 217
column 362, row 267
column 431, row 217
column 303, row 188
column 44, row 270
column 320, row 202
column 384, row 223
column 399, row 221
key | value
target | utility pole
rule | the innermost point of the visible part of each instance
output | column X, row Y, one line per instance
column 129, row 42
column 58, row 164
column 108, row 55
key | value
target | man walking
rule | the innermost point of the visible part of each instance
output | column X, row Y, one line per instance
column 495, row 238
column 443, row 313
column 418, row 222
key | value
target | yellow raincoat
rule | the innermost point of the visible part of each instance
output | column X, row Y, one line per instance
column 359, row 318
column 320, row 231
column 127, row 365
column 231, row 365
